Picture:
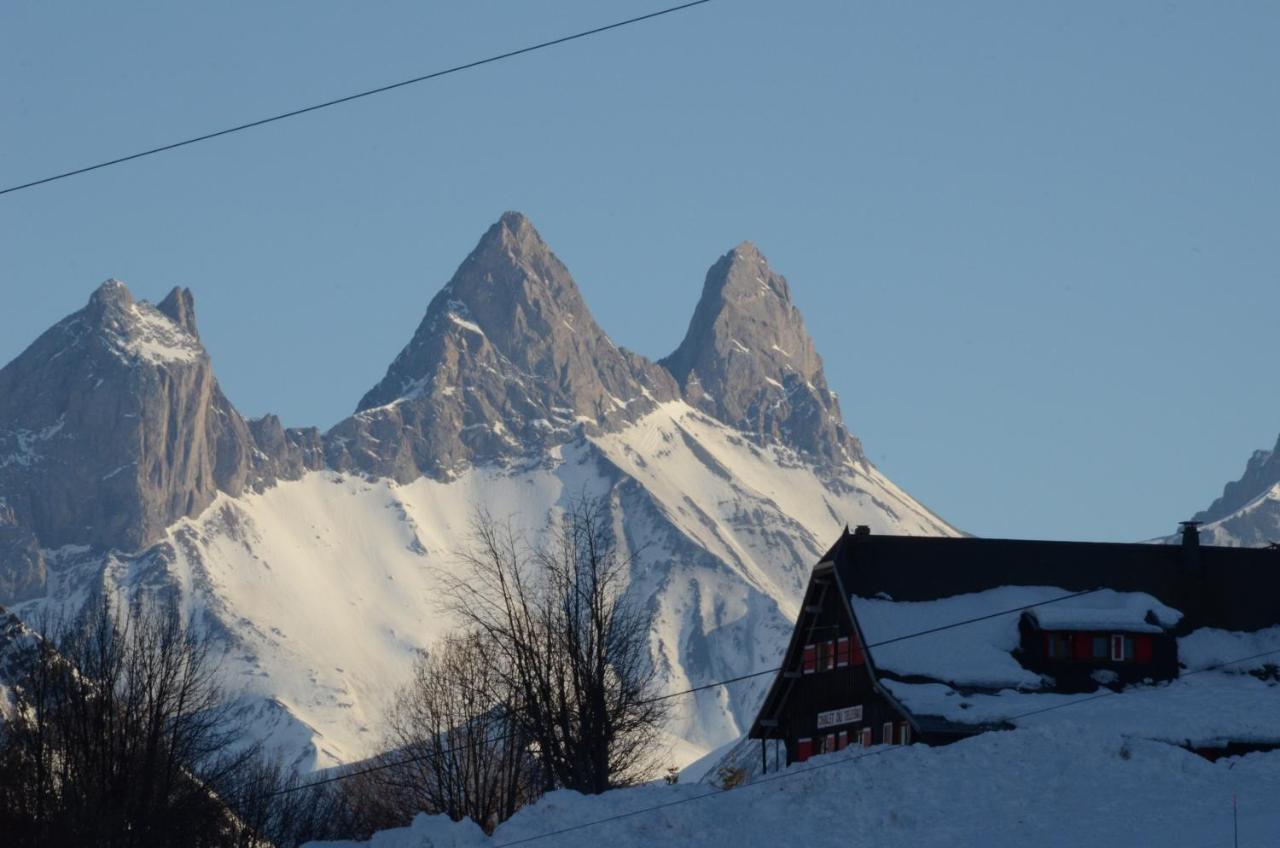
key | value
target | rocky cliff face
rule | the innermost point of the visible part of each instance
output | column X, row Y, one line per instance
column 1248, row 512
column 112, row 426
column 1261, row 473
column 747, row 360
column 507, row 361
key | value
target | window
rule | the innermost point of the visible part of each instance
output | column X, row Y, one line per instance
column 904, row 734
column 842, row 740
column 1057, row 646
column 829, row 744
column 810, row 659
column 804, row 749
column 1121, row 647
column 886, row 733
column 826, row 656
column 1099, row 647
column 866, row 737
column 842, row 652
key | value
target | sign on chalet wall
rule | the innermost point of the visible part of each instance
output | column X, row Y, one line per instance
column 831, row 718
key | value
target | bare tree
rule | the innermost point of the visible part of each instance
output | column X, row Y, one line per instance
column 571, row 651
column 452, row 746
column 119, row 736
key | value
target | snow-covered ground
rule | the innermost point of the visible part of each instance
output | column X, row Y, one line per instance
column 1065, row 784
column 324, row 589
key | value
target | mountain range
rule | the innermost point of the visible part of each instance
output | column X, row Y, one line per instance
column 314, row 559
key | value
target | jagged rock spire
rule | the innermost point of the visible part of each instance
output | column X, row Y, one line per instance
column 748, row 360
column 507, row 359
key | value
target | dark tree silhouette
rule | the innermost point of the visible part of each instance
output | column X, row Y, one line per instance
column 570, row 651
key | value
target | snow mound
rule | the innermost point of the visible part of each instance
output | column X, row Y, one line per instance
column 1061, row 786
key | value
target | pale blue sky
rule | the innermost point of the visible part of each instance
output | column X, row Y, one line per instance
column 1037, row 245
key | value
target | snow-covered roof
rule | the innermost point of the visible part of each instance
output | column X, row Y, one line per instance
column 1205, row 707
column 1131, row 615
column 1206, row 710
column 981, row 654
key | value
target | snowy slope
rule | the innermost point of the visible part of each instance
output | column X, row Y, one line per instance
column 324, row 588
column 316, row 560
column 1068, row 785
column 1256, row 524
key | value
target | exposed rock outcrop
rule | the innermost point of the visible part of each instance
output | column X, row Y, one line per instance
column 112, row 426
column 507, row 361
column 747, row 360
column 1261, row 474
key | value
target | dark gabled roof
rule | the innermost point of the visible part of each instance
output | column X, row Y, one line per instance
column 1229, row 588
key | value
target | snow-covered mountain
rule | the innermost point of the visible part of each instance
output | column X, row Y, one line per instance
column 316, row 560
column 1248, row 512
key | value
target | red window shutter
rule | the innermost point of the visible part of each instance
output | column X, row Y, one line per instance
column 804, row 749
column 1142, row 650
column 810, row 658
column 855, row 650
column 842, row 741
column 866, row 737
column 842, row 651
column 1083, row 644
column 1047, row 639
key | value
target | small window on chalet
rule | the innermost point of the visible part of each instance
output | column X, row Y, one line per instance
column 904, row 734
column 867, row 740
column 1122, row 648
column 829, row 743
column 842, row 652
column 810, row 664
column 1099, row 647
column 826, row 655
column 886, row 733
column 842, row 740
column 1057, row 646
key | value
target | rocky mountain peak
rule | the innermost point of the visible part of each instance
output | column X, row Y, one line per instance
column 112, row 293
column 180, row 307
column 508, row 359
column 112, row 426
column 747, row 359
column 1261, row 475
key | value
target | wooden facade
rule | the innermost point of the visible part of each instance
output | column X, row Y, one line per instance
column 1080, row 659
column 828, row 693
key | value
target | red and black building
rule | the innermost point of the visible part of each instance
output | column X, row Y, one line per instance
column 829, row 693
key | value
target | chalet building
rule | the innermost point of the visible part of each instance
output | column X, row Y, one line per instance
column 863, row 668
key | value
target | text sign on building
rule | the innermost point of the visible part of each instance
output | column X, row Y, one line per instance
column 848, row 715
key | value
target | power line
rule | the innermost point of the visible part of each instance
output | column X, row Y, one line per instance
column 884, row 642
column 348, row 98
column 788, row 774
column 712, row 685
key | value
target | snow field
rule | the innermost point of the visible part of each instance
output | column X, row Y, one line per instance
column 1065, row 785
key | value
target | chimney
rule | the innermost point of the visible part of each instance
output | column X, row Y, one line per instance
column 1190, row 533
column 862, row 530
